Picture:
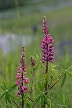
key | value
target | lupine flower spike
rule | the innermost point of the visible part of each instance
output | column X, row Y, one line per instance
column 47, row 46
column 21, row 79
column 47, row 51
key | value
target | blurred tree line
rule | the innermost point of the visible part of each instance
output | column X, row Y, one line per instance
column 8, row 4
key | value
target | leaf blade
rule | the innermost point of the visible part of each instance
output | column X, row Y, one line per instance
column 63, row 81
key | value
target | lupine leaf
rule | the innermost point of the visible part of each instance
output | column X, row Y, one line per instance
column 64, row 98
column 42, row 99
column 27, row 105
column 3, row 87
column 7, row 98
column 37, row 99
column 12, row 97
column 34, row 67
column 63, row 81
column 34, row 58
column 6, row 91
column 12, row 88
column 37, row 56
column 40, row 85
column 70, row 67
column 62, row 65
column 2, row 94
column 43, row 66
column 66, row 60
column 70, row 73
column 4, row 83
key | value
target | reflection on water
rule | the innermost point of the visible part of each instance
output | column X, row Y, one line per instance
column 9, row 42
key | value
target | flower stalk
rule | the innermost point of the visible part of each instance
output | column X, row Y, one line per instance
column 21, row 79
column 47, row 51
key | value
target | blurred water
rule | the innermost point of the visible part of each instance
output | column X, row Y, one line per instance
column 56, row 6
column 12, row 41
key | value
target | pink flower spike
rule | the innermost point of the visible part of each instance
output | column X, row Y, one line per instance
column 47, row 44
column 21, row 75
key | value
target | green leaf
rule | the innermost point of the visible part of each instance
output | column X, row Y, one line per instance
column 63, row 66
column 12, row 88
column 66, row 60
column 37, row 56
column 42, row 99
column 12, row 97
column 2, row 94
column 6, row 91
column 43, row 66
column 37, row 99
column 63, row 81
column 4, row 83
column 7, row 98
column 70, row 73
column 3, row 87
column 34, row 58
column 70, row 67
column 41, row 86
column 34, row 67
column 64, row 98
column 27, row 105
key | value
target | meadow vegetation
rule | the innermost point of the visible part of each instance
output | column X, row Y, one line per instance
column 60, row 27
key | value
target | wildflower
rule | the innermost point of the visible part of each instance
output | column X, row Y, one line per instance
column 25, row 89
column 26, row 80
column 19, row 93
column 47, row 44
column 21, row 75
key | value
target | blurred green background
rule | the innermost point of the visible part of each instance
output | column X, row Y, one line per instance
column 18, row 18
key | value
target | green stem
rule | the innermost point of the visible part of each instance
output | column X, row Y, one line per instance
column 32, row 82
column 57, row 81
column 46, row 85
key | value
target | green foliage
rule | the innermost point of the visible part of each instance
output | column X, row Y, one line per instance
column 7, row 88
column 64, row 78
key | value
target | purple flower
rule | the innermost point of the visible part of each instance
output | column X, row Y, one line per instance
column 19, row 93
column 26, row 81
column 47, row 44
column 18, row 76
column 25, row 89
column 21, row 75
